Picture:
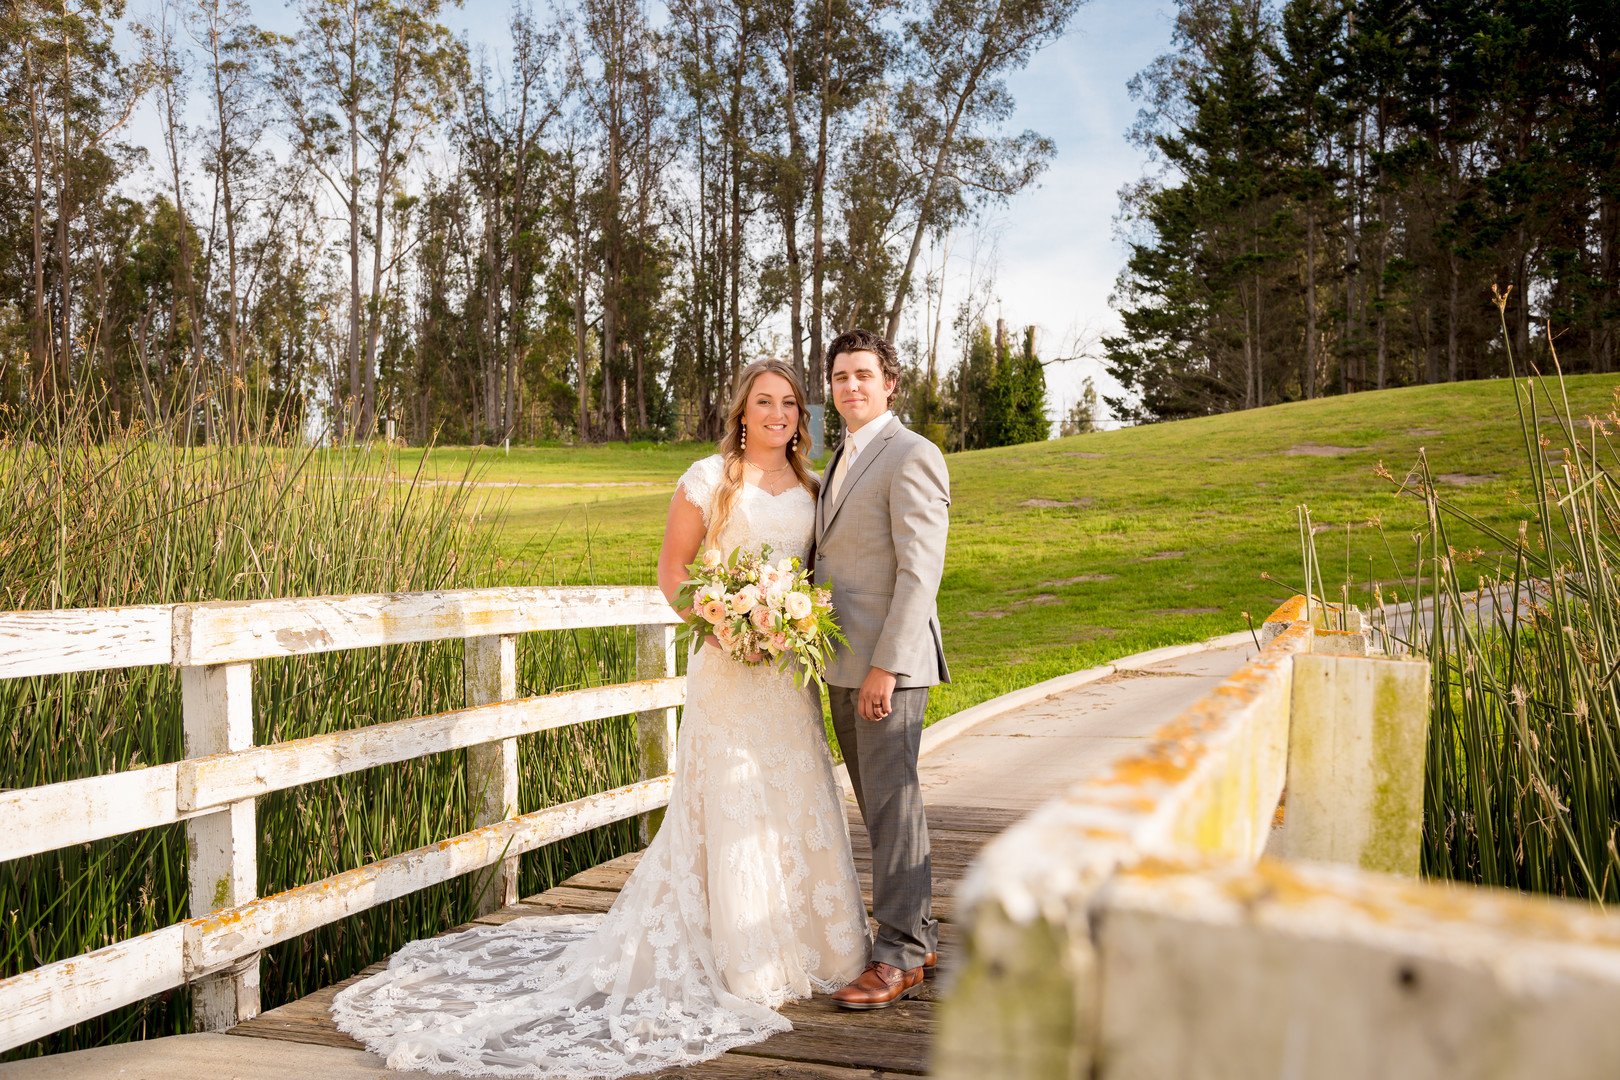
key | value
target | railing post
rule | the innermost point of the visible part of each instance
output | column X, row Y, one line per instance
column 222, row 870
column 489, row 672
column 655, row 729
column 1356, row 744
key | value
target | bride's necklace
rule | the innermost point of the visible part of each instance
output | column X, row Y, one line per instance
column 767, row 472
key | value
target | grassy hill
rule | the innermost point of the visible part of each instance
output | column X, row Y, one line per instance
column 1072, row 552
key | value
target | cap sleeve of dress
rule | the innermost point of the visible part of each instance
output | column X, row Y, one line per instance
column 699, row 483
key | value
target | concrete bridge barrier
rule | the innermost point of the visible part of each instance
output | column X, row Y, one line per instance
column 1238, row 900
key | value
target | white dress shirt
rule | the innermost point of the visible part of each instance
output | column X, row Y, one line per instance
column 854, row 443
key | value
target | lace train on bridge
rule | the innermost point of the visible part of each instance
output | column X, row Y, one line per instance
column 746, row 899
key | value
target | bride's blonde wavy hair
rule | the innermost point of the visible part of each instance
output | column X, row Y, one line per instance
column 731, row 443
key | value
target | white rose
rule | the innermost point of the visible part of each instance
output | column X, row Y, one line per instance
column 798, row 605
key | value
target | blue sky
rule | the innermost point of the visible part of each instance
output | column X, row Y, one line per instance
column 1053, row 249
column 1058, row 253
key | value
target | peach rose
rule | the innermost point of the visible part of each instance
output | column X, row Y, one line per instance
column 761, row 618
column 714, row 611
column 797, row 605
column 744, row 601
column 725, row 635
column 778, row 642
column 807, row 626
column 712, row 558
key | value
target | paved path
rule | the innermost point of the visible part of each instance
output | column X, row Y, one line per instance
column 978, row 778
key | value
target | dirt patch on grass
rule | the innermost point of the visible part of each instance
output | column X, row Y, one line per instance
column 1423, row 431
column 1189, row 611
column 1080, row 579
column 1028, row 601
column 1157, row 555
column 1319, row 450
column 1057, row 504
column 1466, row 479
column 1083, row 454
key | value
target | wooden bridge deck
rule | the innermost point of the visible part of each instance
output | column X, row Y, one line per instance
column 826, row 1041
column 975, row 785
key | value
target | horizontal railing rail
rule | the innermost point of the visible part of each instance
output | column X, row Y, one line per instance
column 1238, row 897
column 213, row 789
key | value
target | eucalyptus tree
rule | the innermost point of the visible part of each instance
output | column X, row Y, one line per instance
column 234, row 53
column 953, row 105
column 169, row 65
column 501, row 132
column 68, row 93
column 363, row 84
column 619, row 82
column 829, row 59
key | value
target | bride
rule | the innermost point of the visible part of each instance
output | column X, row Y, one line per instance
column 747, row 897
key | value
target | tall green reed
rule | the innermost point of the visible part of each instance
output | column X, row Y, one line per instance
column 93, row 516
column 1522, row 632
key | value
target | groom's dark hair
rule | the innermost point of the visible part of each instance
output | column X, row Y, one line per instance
column 858, row 340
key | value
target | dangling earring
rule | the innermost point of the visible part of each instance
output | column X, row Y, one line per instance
column 793, row 443
column 744, row 445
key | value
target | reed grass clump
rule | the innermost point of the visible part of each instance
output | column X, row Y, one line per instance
column 1523, row 766
column 92, row 516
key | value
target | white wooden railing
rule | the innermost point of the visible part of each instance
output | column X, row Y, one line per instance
column 1237, row 899
column 213, row 790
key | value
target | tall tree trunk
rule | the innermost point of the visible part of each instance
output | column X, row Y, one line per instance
column 1308, row 382
column 925, row 207
column 237, row 381
column 581, row 352
column 790, row 198
column 64, row 210
column 1453, row 313
column 187, row 285
column 353, row 207
column 818, row 221
column 39, row 333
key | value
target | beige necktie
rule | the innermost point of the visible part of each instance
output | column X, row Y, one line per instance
column 836, row 484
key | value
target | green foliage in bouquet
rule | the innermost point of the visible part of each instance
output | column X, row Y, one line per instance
column 760, row 612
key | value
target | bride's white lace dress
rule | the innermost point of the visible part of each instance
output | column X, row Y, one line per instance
column 747, row 898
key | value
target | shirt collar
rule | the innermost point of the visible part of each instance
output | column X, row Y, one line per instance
column 859, row 440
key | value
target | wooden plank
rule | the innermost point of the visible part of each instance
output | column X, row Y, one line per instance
column 910, row 1015
column 563, row 900
column 57, row 995
column 308, row 1019
column 1315, row 970
column 847, row 1044
column 734, row 1066
column 227, row 777
column 489, row 677
column 84, row 639
column 222, row 847
column 231, row 631
column 54, row 816
column 655, row 728
column 610, row 875
column 216, row 940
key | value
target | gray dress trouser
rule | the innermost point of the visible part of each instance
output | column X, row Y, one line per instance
column 882, row 761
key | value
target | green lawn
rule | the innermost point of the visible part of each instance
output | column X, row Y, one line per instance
column 1070, row 553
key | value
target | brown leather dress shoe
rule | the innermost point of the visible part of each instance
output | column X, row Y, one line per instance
column 930, row 962
column 879, row 986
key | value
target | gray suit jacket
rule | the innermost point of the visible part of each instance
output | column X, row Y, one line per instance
column 882, row 547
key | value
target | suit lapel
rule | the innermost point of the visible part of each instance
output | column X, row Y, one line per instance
column 858, row 470
column 821, row 496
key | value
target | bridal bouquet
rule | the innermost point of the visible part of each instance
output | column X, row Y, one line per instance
column 761, row 612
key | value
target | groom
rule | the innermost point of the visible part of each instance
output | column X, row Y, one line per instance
column 880, row 540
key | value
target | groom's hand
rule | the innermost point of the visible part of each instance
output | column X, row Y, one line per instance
column 876, row 694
